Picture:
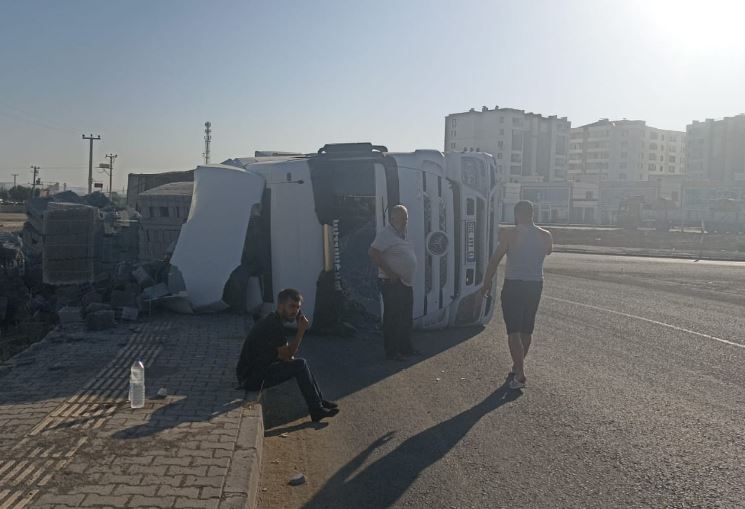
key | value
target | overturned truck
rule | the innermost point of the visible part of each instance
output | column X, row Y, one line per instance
column 259, row 225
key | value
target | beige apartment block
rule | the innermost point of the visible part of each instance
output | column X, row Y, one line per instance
column 528, row 147
column 625, row 150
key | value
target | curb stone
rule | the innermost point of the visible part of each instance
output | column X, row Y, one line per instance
column 241, row 485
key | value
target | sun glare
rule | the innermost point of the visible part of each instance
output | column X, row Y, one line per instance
column 695, row 25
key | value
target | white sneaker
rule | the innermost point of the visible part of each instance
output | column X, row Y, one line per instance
column 516, row 384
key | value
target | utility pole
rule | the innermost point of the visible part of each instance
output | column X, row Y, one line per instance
column 33, row 181
column 111, row 173
column 207, row 141
column 14, row 178
column 90, row 138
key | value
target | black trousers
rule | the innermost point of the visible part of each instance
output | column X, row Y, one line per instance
column 281, row 371
column 398, row 311
column 520, row 301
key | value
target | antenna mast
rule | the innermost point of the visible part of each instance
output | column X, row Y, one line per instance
column 207, row 141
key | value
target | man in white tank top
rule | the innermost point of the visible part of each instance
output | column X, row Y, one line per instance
column 526, row 246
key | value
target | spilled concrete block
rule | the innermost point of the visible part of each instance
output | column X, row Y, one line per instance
column 100, row 320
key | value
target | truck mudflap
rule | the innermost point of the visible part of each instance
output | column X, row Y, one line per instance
column 212, row 240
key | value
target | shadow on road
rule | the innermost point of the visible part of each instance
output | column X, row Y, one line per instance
column 383, row 482
column 344, row 366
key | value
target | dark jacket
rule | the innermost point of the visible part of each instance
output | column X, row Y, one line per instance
column 260, row 350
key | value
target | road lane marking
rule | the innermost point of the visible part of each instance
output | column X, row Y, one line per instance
column 648, row 320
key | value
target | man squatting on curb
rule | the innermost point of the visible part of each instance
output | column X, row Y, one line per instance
column 526, row 246
column 268, row 359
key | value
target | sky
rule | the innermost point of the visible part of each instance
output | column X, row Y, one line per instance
column 295, row 75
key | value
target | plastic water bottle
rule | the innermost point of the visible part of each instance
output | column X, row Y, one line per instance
column 137, row 385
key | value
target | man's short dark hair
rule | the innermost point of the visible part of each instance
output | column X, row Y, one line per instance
column 524, row 207
column 289, row 293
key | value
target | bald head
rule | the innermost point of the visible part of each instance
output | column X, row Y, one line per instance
column 399, row 217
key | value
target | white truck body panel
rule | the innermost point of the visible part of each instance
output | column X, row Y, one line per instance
column 211, row 241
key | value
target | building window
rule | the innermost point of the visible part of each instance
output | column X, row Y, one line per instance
column 517, row 121
column 516, row 170
column 675, row 196
column 561, row 146
column 501, row 132
column 499, row 155
column 652, row 167
column 452, row 122
column 452, row 145
column 621, row 176
column 588, row 195
column 517, row 140
column 452, row 133
column 164, row 212
column 500, row 144
column 516, row 158
column 501, row 120
column 152, row 211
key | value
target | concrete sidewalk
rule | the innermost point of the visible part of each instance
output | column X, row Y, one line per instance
column 69, row 439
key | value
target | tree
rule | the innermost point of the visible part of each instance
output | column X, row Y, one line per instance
column 19, row 193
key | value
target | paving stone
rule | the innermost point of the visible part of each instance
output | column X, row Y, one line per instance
column 181, row 461
column 148, row 470
column 140, row 501
column 168, row 491
column 195, row 453
column 176, row 470
column 107, row 500
column 98, row 489
column 209, row 492
column 54, row 499
column 192, row 480
column 190, row 502
column 148, row 491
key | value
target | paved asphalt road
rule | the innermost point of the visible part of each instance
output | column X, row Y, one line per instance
column 635, row 398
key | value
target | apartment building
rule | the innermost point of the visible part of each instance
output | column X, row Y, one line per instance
column 625, row 150
column 528, row 147
column 716, row 150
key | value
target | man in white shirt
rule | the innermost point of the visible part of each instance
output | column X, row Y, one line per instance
column 395, row 258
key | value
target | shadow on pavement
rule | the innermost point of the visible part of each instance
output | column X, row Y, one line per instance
column 343, row 366
column 183, row 411
column 383, row 482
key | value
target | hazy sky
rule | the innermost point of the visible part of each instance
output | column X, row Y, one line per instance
column 294, row 75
